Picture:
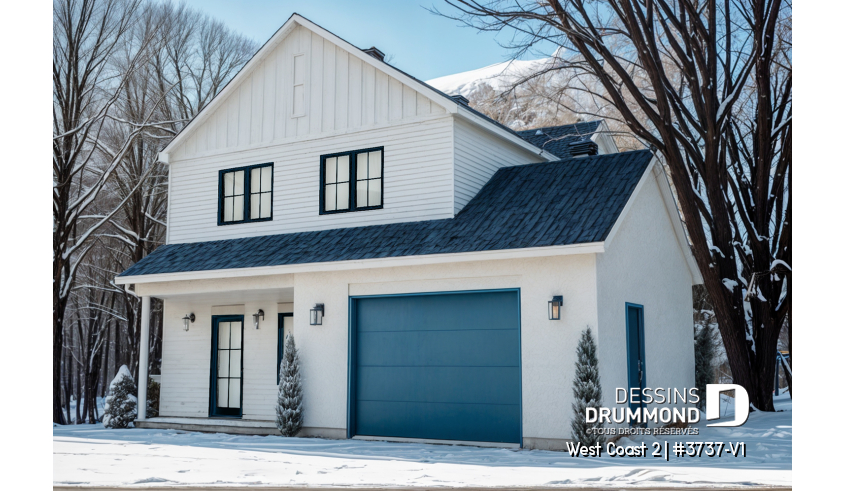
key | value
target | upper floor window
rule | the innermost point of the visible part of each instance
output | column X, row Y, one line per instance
column 246, row 194
column 352, row 181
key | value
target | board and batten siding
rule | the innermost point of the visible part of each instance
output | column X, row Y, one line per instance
column 304, row 87
column 417, row 183
column 478, row 155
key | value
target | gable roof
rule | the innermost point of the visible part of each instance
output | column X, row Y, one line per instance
column 572, row 201
column 295, row 20
column 556, row 139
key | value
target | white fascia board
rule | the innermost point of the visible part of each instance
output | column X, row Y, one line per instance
column 480, row 122
column 388, row 262
column 257, row 58
column 677, row 224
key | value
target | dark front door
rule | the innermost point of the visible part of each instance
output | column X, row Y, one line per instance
column 636, row 349
column 227, row 365
column 437, row 366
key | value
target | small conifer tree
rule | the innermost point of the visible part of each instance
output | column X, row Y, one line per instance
column 121, row 407
column 289, row 405
column 587, row 391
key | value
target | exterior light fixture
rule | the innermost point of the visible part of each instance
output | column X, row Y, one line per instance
column 317, row 314
column 554, row 307
column 188, row 319
column 255, row 316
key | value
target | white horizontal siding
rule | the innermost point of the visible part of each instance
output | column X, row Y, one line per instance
column 186, row 361
column 341, row 93
column 417, row 182
column 478, row 155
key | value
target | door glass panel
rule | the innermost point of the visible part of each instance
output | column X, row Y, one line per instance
column 235, row 363
column 223, row 363
column 223, row 335
column 235, row 392
column 236, row 336
column 222, row 393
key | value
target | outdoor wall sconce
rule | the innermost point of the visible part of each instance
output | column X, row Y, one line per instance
column 554, row 307
column 317, row 314
column 255, row 317
column 188, row 319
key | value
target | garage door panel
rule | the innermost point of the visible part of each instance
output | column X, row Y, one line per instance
column 439, row 421
column 438, row 366
column 465, row 385
column 494, row 310
column 432, row 348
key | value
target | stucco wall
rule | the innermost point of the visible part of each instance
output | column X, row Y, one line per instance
column 644, row 264
column 548, row 347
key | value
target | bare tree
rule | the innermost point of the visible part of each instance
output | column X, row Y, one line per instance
column 708, row 86
column 128, row 75
column 86, row 85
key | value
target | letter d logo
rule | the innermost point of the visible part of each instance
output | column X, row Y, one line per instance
column 714, row 391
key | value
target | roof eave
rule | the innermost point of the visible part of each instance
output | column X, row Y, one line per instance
column 387, row 262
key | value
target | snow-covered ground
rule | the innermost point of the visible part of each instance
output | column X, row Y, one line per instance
column 100, row 408
column 89, row 455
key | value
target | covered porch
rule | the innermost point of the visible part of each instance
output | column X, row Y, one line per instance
column 221, row 346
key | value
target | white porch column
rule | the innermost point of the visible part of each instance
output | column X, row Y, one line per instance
column 143, row 358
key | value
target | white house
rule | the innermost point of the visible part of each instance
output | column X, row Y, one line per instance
column 433, row 241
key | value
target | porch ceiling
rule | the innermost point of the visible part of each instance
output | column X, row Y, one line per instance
column 231, row 297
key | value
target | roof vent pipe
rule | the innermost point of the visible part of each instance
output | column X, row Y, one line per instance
column 460, row 99
column 583, row 147
column 375, row 53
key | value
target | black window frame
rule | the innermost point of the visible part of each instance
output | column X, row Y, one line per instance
column 353, row 179
column 247, row 176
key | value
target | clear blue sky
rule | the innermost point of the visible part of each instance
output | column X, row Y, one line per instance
column 422, row 44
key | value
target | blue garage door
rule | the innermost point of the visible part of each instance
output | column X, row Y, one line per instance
column 442, row 366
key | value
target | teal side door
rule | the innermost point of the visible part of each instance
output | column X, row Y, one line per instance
column 437, row 366
column 634, row 320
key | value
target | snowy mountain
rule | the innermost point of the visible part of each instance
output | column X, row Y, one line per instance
column 498, row 76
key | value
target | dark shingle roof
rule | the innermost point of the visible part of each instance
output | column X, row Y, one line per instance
column 553, row 203
column 556, row 139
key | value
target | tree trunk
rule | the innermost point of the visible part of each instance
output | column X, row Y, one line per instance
column 58, row 343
